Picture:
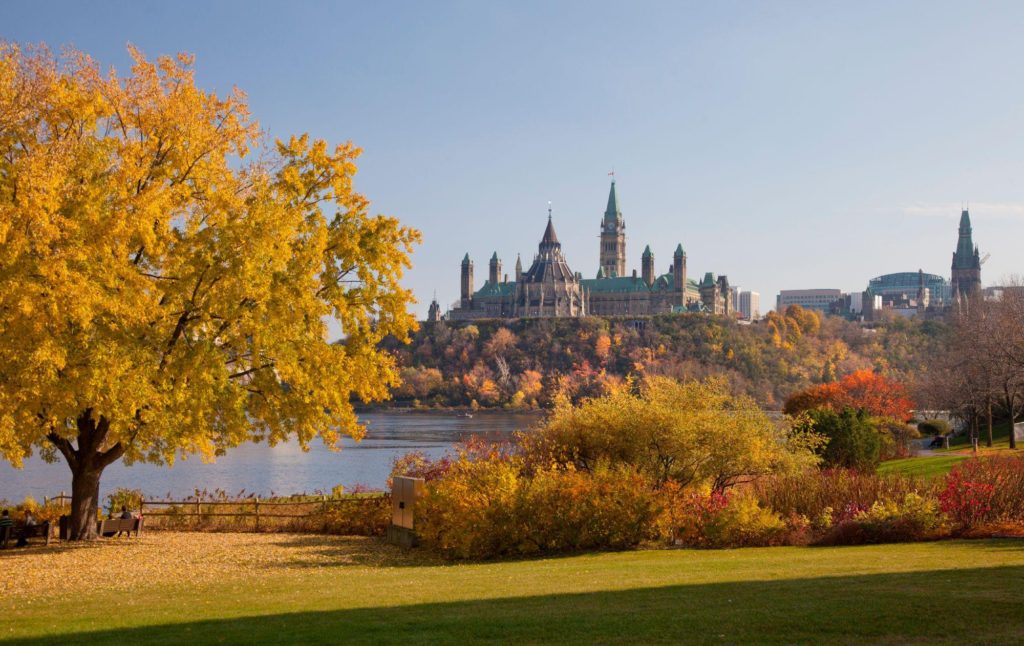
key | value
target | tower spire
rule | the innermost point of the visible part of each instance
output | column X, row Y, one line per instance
column 613, row 236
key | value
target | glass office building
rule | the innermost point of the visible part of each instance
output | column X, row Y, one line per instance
column 903, row 286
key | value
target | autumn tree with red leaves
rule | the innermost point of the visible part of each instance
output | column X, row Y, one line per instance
column 861, row 390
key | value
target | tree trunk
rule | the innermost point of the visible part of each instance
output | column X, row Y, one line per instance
column 988, row 442
column 87, row 463
column 1013, row 419
column 85, row 500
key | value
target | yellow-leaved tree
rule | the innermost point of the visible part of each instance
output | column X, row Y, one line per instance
column 165, row 276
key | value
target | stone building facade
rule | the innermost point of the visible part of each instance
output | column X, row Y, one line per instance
column 550, row 288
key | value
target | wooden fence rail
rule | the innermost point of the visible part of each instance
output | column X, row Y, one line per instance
column 194, row 507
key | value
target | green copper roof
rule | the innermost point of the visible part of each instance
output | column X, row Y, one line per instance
column 496, row 289
column 709, row 279
column 612, row 213
column 679, row 250
column 495, row 256
column 647, row 252
column 600, row 272
column 966, row 250
column 618, row 284
column 666, row 282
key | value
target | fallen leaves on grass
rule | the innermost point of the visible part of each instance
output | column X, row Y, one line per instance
column 181, row 558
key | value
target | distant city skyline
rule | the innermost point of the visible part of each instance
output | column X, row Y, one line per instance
column 787, row 145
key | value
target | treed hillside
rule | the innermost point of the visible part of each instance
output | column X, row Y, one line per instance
column 527, row 363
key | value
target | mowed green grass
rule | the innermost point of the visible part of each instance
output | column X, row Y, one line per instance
column 942, row 592
column 925, row 467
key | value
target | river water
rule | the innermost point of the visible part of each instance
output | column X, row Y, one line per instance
column 282, row 469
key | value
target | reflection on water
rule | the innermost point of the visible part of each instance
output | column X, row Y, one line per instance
column 282, row 469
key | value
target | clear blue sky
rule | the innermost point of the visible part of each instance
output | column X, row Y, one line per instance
column 787, row 145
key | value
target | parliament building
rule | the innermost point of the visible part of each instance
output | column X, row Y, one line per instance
column 550, row 288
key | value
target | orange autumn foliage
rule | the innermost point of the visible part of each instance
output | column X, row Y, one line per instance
column 861, row 390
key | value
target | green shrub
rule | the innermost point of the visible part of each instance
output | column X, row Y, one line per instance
column 934, row 427
column 853, row 441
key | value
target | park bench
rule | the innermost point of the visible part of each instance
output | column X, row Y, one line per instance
column 108, row 527
column 41, row 530
column 113, row 526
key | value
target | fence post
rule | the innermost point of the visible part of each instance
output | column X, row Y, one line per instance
column 323, row 503
column 198, row 509
column 257, row 513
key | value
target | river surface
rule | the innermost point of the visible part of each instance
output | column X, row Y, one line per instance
column 282, row 469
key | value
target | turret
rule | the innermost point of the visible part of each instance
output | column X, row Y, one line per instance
column 494, row 275
column 679, row 273
column 519, row 268
column 647, row 266
column 467, row 281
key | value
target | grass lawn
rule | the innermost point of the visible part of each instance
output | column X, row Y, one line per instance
column 1000, row 440
column 926, row 467
column 238, row 588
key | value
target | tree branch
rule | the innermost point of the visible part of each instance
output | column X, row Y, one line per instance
column 65, row 448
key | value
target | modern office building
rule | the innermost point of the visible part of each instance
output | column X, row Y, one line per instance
column 815, row 299
column 750, row 306
column 908, row 289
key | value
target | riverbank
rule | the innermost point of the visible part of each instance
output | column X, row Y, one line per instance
column 203, row 588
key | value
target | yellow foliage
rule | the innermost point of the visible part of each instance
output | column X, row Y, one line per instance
column 696, row 433
column 165, row 282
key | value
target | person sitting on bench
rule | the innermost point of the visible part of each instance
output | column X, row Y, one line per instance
column 30, row 521
column 125, row 515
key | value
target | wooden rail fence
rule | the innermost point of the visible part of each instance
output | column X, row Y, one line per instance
column 260, row 508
